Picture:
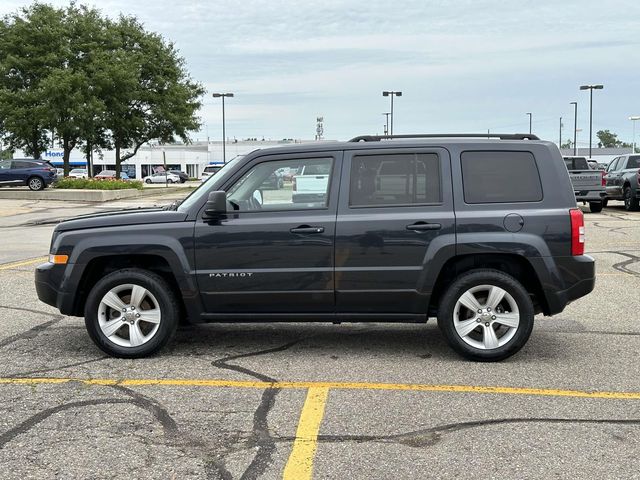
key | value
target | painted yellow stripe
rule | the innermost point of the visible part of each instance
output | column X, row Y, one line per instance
column 300, row 463
column 22, row 263
column 548, row 392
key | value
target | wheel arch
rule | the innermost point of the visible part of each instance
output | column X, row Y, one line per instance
column 512, row 264
column 100, row 266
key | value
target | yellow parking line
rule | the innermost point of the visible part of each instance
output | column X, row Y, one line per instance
column 548, row 392
column 22, row 263
column 300, row 463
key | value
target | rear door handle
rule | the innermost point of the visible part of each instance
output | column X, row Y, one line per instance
column 306, row 229
column 424, row 226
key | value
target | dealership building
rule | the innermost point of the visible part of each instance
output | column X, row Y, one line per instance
column 190, row 158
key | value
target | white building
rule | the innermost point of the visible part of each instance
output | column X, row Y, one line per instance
column 189, row 158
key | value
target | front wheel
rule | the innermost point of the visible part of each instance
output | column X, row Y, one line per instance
column 595, row 207
column 131, row 313
column 486, row 315
column 631, row 203
column 148, row 180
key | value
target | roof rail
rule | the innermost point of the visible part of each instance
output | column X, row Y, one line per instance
column 501, row 136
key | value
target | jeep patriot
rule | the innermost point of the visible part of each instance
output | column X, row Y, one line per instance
column 482, row 233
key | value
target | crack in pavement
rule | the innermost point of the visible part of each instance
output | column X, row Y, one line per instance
column 622, row 266
column 32, row 332
column 261, row 436
column 53, row 369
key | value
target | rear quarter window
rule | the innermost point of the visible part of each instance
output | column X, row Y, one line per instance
column 500, row 177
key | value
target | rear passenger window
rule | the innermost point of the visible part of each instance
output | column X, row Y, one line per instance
column 395, row 179
column 500, row 177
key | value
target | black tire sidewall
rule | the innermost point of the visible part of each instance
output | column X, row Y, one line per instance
column 160, row 290
column 486, row 277
column 595, row 207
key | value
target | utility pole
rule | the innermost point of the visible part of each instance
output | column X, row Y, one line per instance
column 560, row 140
column 591, row 88
column 575, row 128
column 224, row 134
column 530, row 121
column 391, row 94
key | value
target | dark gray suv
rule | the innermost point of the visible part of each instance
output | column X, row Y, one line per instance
column 481, row 233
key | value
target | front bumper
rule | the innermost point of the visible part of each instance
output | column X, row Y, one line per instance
column 48, row 279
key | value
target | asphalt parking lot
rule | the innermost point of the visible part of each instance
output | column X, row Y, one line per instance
column 355, row 401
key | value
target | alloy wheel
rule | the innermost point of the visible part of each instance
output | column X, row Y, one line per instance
column 486, row 317
column 129, row 315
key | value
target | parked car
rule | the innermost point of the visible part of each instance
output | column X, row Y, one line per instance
column 310, row 185
column 472, row 238
column 623, row 181
column 111, row 174
column 588, row 184
column 275, row 181
column 60, row 172
column 36, row 174
column 183, row 176
column 162, row 177
column 210, row 170
column 79, row 173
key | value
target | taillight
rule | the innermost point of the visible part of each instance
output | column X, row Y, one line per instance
column 294, row 185
column 577, row 231
column 603, row 182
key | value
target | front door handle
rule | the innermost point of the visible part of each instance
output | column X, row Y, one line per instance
column 306, row 229
column 424, row 226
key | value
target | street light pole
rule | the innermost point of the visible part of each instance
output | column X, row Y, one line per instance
column 591, row 88
column 224, row 134
column 530, row 117
column 391, row 94
column 560, row 143
column 386, row 123
column 634, row 119
column 575, row 127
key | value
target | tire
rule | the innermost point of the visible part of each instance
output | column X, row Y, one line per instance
column 595, row 207
column 605, row 202
column 631, row 204
column 169, row 180
column 154, row 295
column 148, row 181
column 475, row 286
column 35, row 183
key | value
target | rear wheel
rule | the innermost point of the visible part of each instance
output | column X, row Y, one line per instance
column 35, row 183
column 605, row 202
column 595, row 207
column 131, row 313
column 148, row 180
column 630, row 202
column 486, row 315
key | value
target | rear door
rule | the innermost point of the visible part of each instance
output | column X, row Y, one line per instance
column 612, row 179
column 394, row 205
column 5, row 171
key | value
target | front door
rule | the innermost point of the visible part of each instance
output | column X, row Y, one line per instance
column 398, row 203
column 273, row 252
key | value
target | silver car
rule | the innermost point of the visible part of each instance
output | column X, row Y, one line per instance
column 160, row 178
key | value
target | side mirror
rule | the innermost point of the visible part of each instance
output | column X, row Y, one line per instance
column 216, row 204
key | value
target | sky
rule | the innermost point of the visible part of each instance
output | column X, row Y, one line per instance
column 462, row 66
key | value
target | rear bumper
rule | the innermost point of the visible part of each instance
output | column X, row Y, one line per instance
column 590, row 195
column 570, row 278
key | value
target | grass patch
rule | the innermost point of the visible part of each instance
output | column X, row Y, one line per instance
column 97, row 184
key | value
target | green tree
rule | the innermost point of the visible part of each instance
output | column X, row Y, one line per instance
column 607, row 139
column 147, row 91
column 31, row 45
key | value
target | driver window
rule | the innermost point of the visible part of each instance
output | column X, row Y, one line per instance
column 283, row 185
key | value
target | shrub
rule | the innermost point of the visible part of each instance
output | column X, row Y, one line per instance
column 97, row 184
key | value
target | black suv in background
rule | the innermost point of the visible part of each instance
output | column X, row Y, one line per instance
column 481, row 233
column 36, row 174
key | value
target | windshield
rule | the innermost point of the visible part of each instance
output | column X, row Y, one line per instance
column 203, row 190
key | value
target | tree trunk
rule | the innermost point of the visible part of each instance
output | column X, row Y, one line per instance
column 117, row 159
column 89, row 166
column 35, row 146
column 67, row 146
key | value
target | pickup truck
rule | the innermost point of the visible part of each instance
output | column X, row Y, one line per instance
column 310, row 184
column 588, row 185
column 622, row 180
